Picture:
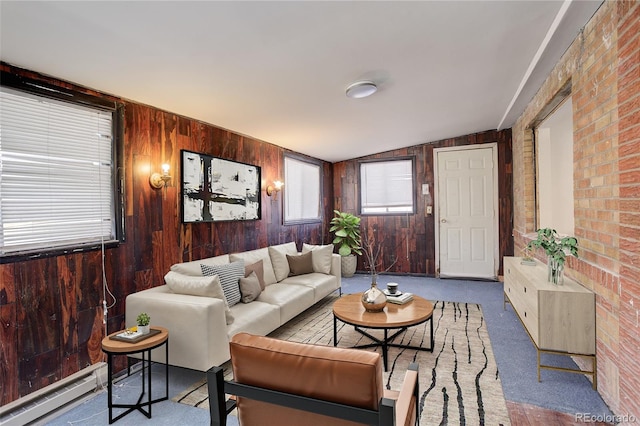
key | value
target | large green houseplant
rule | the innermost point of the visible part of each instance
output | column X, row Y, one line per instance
column 556, row 248
column 346, row 229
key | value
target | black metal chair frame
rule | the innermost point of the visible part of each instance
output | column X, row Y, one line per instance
column 219, row 408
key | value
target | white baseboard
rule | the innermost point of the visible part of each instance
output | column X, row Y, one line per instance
column 46, row 400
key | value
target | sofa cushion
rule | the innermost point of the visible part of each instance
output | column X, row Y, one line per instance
column 229, row 275
column 250, row 288
column 198, row 286
column 255, row 317
column 322, row 284
column 291, row 299
column 278, row 255
column 253, row 256
column 321, row 256
column 342, row 375
column 193, row 267
column 300, row 264
column 258, row 269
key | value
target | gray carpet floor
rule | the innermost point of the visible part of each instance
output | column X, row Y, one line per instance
column 513, row 350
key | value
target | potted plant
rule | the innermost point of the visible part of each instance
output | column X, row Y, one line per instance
column 143, row 320
column 346, row 229
column 556, row 249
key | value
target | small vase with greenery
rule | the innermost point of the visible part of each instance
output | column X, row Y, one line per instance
column 556, row 249
column 346, row 229
column 143, row 319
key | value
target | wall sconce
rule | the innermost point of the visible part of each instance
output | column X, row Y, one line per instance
column 158, row 180
column 274, row 189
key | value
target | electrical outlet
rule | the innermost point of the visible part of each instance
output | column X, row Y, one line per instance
column 429, row 210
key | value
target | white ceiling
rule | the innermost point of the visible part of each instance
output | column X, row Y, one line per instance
column 277, row 71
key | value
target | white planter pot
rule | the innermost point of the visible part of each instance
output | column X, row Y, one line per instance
column 144, row 329
column 348, row 265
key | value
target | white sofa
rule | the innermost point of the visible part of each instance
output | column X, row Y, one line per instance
column 200, row 326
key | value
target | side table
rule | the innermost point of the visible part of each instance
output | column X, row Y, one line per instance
column 118, row 347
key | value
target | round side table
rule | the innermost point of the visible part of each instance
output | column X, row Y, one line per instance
column 114, row 345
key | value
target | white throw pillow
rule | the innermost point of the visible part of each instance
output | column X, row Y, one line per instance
column 198, row 286
column 278, row 255
column 321, row 257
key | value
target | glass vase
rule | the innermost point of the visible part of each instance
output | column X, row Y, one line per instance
column 555, row 270
column 374, row 300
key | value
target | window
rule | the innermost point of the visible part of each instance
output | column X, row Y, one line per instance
column 57, row 172
column 554, row 179
column 302, row 190
column 386, row 187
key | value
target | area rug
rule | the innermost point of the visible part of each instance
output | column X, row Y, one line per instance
column 459, row 381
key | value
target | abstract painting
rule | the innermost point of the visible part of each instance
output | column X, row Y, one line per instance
column 216, row 190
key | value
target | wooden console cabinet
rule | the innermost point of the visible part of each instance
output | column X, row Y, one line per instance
column 560, row 319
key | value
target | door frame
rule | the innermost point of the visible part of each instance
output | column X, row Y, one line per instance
column 496, row 202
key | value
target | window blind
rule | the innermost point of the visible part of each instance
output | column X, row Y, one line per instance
column 386, row 187
column 302, row 190
column 56, row 165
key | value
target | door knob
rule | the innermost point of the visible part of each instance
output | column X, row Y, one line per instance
column 444, row 221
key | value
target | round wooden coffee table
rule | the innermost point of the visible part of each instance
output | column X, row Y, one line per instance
column 349, row 310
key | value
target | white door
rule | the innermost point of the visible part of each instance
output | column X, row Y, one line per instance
column 467, row 212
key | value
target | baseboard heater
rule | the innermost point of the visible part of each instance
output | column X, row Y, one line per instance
column 44, row 401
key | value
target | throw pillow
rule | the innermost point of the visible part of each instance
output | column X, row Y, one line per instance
column 278, row 257
column 250, row 288
column 258, row 269
column 321, row 256
column 300, row 264
column 229, row 275
column 198, row 286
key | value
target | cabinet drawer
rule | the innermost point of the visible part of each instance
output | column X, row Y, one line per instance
column 527, row 313
column 523, row 296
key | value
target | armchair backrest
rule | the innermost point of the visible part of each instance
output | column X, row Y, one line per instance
column 345, row 376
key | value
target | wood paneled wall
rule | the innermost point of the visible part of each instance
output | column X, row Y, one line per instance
column 409, row 239
column 51, row 308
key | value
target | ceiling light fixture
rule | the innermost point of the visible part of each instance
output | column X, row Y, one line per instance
column 361, row 89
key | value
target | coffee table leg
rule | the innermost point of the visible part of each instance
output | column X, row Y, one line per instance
column 385, row 348
column 335, row 331
column 432, row 340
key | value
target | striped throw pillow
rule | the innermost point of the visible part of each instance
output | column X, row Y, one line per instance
column 229, row 276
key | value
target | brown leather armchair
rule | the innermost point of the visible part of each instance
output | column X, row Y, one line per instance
column 285, row 383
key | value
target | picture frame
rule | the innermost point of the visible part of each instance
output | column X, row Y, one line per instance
column 218, row 190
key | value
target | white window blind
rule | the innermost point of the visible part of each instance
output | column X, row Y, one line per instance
column 386, row 187
column 56, row 164
column 301, row 190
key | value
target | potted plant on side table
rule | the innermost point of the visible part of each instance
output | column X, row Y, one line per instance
column 143, row 320
column 556, row 249
column 346, row 229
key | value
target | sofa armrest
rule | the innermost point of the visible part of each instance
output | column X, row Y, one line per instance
column 197, row 326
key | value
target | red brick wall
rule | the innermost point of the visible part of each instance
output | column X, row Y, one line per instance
column 628, row 75
column 602, row 66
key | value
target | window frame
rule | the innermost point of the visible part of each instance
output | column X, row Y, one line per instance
column 361, row 211
column 286, row 192
column 540, row 161
column 40, row 88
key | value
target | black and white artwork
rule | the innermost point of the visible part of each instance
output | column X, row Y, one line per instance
column 215, row 189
